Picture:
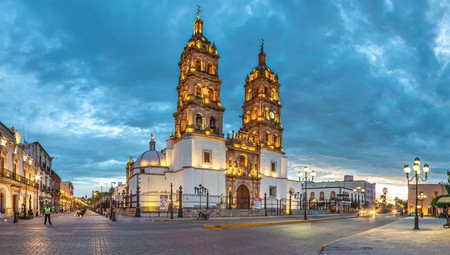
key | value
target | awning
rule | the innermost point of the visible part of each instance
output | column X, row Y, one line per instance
column 443, row 200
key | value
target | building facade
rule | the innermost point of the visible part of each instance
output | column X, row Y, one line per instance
column 427, row 192
column 27, row 181
column 19, row 176
column 242, row 167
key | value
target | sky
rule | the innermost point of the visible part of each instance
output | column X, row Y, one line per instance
column 364, row 84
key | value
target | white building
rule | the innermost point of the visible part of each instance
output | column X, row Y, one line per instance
column 238, row 169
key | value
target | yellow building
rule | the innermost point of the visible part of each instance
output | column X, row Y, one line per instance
column 427, row 192
column 19, row 176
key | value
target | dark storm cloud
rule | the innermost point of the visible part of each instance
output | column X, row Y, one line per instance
column 364, row 84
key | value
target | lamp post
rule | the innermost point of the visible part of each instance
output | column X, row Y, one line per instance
column 421, row 198
column 37, row 178
column 201, row 190
column 359, row 191
column 305, row 179
column 417, row 176
column 101, row 199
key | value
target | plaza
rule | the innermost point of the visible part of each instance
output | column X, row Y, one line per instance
column 95, row 234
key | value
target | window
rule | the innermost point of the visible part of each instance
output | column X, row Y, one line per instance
column 199, row 121
column 272, row 191
column 312, row 196
column 242, row 161
column 322, row 196
column 212, row 122
column 198, row 65
column 207, row 157
column 333, row 195
column 273, row 166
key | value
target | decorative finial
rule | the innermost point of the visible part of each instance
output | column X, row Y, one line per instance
column 131, row 159
column 262, row 45
column 198, row 11
column 152, row 143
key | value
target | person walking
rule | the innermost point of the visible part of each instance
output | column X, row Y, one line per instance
column 47, row 212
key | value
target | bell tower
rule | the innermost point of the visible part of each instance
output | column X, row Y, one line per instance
column 199, row 109
column 262, row 107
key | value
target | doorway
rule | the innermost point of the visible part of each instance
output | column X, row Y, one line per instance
column 243, row 198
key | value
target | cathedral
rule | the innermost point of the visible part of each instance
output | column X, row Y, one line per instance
column 243, row 166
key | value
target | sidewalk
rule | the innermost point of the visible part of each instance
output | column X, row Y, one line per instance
column 396, row 238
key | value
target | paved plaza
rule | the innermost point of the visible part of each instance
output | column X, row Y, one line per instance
column 95, row 234
column 396, row 238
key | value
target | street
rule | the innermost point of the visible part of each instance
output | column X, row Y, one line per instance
column 94, row 234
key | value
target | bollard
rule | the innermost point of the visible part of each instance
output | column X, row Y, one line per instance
column 15, row 218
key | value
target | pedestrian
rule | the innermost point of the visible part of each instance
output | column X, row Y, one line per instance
column 47, row 212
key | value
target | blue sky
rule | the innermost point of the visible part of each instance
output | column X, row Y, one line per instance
column 364, row 84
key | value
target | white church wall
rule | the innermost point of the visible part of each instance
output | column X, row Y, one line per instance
column 215, row 147
column 284, row 161
column 213, row 180
column 169, row 154
column 267, row 157
column 182, row 153
column 294, row 185
column 279, row 184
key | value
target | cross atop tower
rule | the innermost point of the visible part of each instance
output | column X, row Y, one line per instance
column 198, row 11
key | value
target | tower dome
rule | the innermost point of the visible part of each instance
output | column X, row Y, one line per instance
column 151, row 157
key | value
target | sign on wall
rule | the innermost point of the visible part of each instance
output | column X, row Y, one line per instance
column 163, row 202
column 258, row 203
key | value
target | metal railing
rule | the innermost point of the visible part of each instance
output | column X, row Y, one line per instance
column 17, row 178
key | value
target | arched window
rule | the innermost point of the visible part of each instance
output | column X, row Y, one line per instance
column 312, row 196
column 198, row 90
column 266, row 92
column 212, row 124
column 277, row 140
column 255, row 113
column 248, row 96
column 242, row 161
column 199, row 121
column 266, row 113
column 322, row 196
column 211, row 95
column 268, row 138
column 198, row 64
column 255, row 137
column 333, row 195
column 209, row 67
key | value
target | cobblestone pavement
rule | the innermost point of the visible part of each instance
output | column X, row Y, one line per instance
column 396, row 238
column 95, row 234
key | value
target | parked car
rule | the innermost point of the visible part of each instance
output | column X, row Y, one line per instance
column 363, row 212
column 412, row 214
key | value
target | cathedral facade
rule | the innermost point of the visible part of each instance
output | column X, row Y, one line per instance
column 243, row 166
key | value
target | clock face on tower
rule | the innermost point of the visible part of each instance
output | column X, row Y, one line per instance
column 271, row 115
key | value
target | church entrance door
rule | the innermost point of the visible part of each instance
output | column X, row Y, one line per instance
column 243, row 197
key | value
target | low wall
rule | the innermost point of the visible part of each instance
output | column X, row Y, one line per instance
column 193, row 213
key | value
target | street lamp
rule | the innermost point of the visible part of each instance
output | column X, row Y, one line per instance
column 37, row 178
column 359, row 191
column 202, row 191
column 416, row 168
column 421, row 198
column 305, row 179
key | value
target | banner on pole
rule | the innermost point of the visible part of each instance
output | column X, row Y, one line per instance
column 258, row 203
column 163, row 202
